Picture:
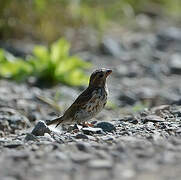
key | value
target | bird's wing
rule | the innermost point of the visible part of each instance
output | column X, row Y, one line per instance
column 82, row 99
column 85, row 96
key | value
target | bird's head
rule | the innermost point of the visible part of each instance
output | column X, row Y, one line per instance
column 98, row 77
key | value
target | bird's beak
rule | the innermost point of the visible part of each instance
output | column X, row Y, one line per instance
column 108, row 72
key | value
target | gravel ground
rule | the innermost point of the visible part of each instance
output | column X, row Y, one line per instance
column 137, row 136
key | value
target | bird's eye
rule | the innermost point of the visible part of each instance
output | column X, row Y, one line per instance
column 101, row 75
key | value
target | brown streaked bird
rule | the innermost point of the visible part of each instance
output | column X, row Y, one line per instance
column 89, row 103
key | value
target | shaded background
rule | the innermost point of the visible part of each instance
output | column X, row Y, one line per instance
column 45, row 20
column 138, row 39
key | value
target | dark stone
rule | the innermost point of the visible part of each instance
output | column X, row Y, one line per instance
column 40, row 129
column 81, row 136
column 130, row 119
column 72, row 128
column 106, row 126
column 153, row 118
column 177, row 102
column 168, row 36
column 83, row 146
column 30, row 137
column 11, row 146
column 127, row 99
column 177, row 112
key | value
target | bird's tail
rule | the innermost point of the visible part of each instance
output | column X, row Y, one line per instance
column 55, row 121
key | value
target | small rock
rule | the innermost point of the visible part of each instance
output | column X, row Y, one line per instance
column 167, row 37
column 100, row 164
column 13, row 145
column 14, row 118
column 106, row 126
column 90, row 130
column 130, row 119
column 153, row 118
column 158, row 109
column 178, row 131
column 61, row 156
column 81, row 136
column 170, row 34
column 150, row 126
column 108, row 138
column 110, row 47
column 20, row 156
column 83, row 146
column 73, row 128
column 30, row 137
column 2, row 133
column 175, row 64
column 4, row 125
column 177, row 112
column 177, row 102
column 80, row 158
column 40, row 129
column 127, row 98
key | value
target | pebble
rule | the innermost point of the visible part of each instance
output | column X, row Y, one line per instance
column 153, row 118
column 81, row 136
column 40, row 129
column 111, row 47
column 100, row 164
column 158, row 109
column 175, row 64
column 90, row 130
column 30, row 137
column 80, row 158
column 106, row 126
column 127, row 98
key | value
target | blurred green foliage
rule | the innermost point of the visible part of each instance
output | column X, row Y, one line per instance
column 48, row 65
column 49, row 19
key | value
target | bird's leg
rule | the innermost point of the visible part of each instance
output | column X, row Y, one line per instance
column 75, row 128
column 87, row 124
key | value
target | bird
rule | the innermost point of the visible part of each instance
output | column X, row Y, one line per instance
column 89, row 103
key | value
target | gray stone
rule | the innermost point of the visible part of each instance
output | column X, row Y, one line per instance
column 90, row 130
column 30, row 137
column 153, row 118
column 175, row 63
column 100, row 164
column 111, row 47
column 40, row 129
column 81, row 136
column 106, row 126
column 11, row 120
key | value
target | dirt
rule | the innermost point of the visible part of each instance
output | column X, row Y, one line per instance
column 140, row 132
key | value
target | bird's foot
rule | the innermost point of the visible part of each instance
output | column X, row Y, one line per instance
column 74, row 129
column 86, row 124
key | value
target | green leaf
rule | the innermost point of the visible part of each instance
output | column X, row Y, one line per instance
column 59, row 50
column 76, row 78
column 41, row 53
column 2, row 56
column 17, row 69
column 70, row 64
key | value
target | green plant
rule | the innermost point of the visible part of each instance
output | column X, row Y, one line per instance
column 50, row 65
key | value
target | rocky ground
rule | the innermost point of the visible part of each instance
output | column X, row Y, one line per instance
column 137, row 136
